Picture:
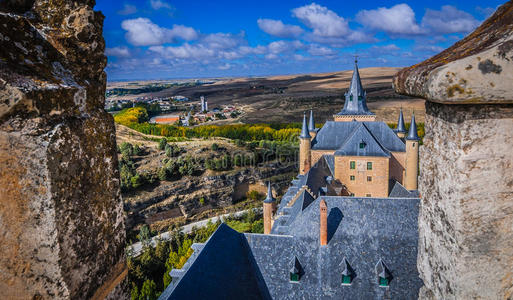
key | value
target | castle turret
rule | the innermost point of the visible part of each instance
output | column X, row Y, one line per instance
column 304, row 148
column 323, row 223
column 311, row 125
column 412, row 157
column 355, row 106
column 401, row 129
column 269, row 208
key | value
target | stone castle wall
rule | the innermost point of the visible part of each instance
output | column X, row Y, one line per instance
column 61, row 213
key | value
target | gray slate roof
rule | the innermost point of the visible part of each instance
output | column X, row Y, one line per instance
column 333, row 135
column 362, row 136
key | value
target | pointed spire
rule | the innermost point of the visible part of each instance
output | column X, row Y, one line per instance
column 412, row 133
column 356, row 88
column 311, row 122
column 400, row 123
column 304, row 130
column 270, row 197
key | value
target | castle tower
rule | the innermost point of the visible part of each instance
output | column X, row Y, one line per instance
column 412, row 157
column 355, row 106
column 269, row 208
column 311, row 125
column 401, row 129
column 323, row 223
column 304, row 148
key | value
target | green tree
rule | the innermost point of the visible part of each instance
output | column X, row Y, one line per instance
column 162, row 144
column 214, row 147
column 148, row 290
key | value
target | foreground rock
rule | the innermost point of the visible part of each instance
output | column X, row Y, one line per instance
column 477, row 69
column 61, row 214
column 466, row 182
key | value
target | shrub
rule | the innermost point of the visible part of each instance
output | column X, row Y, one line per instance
column 162, row 144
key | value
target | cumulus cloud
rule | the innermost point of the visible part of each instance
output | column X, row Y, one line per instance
column 323, row 21
column 428, row 48
column 127, row 9
column 159, row 4
column 449, row 20
column 185, row 51
column 277, row 28
column 117, row 51
column 143, row 32
column 223, row 40
column 396, row 20
column 317, row 50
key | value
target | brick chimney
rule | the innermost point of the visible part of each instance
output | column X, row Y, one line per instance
column 323, row 223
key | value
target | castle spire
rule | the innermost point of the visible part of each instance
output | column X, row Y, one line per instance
column 412, row 133
column 305, row 134
column 269, row 198
column 355, row 106
column 400, row 123
column 311, row 122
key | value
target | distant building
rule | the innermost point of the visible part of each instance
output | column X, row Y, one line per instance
column 167, row 119
column 204, row 104
column 347, row 227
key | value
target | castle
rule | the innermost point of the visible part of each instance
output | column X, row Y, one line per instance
column 345, row 229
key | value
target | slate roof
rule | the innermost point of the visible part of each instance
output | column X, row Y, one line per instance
column 412, row 132
column 333, row 135
column 400, row 123
column 223, row 269
column 311, row 122
column 305, row 134
column 362, row 137
column 399, row 191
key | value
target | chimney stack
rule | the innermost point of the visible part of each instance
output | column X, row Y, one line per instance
column 323, row 223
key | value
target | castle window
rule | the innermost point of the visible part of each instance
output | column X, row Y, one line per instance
column 369, row 178
column 362, row 145
column 347, row 272
column 360, row 98
column 368, row 195
column 351, row 177
column 369, row 165
column 352, row 165
column 296, row 270
column 383, row 282
column 384, row 275
column 294, row 277
column 413, row 145
column 352, row 194
column 350, row 97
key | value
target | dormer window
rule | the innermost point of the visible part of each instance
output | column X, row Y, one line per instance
column 347, row 273
column 362, row 144
column 360, row 98
column 295, row 271
column 350, row 97
column 384, row 275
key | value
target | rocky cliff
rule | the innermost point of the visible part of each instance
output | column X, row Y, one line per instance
column 466, row 182
column 61, row 214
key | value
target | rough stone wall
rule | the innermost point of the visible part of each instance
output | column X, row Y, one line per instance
column 61, row 214
column 466, row 218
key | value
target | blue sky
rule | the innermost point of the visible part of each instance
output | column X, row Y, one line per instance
column 162, row 39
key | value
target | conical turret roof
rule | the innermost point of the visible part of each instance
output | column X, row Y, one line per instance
column 305, row 134
column 269, row 198
column 400, row 123
column 412, row 133
column 356, row 98
column 311, row 122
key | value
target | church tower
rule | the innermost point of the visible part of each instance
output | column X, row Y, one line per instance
column 412, row 157
column 269, row 208
column 304, row 148
column 355, row 106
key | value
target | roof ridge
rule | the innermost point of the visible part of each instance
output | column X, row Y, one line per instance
column 376, row 139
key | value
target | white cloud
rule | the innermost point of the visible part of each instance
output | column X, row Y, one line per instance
column 143, row 32
column 323, row 21
column 226, row 66
column 429, row 48
column 223, row 40
column 449, row 20
column 185, row 51
column 278, row 47
column 385, row 49
column 277, row 28
column 317, row 50
column 127, row 9
column 398, row 19
column 158, row 4
column 117, row 51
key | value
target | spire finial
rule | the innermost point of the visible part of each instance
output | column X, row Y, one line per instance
column 355, row 58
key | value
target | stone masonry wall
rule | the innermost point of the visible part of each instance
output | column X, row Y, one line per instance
column 61, row 214
column 466, row 220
